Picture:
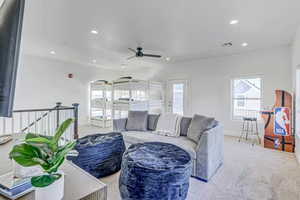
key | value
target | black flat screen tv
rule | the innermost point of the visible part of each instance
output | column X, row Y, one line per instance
column 11, row 20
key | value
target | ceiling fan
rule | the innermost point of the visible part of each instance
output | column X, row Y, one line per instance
column 139, row 53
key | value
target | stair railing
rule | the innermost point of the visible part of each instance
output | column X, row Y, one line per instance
column 41, row 121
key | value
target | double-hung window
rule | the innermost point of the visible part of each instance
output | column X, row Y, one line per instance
column 246, row 97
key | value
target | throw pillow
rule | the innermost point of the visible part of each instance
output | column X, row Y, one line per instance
column 137, row 121
column 184, row 125
column 119, row 124
column 198, row 125
column 168, row 125
column 152, row 122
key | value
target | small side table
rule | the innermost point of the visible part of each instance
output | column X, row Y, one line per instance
column 250, row 127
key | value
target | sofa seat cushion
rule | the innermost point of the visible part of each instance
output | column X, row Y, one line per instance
column 185, row 143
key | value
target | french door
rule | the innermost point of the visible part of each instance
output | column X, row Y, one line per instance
column 177, row 96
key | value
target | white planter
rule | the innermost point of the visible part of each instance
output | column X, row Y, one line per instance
column 55, row 191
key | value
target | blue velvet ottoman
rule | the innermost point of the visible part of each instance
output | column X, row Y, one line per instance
column 100, row 154
column 155, row 171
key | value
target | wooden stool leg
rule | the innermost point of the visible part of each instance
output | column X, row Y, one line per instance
column 243, row 130
column 252, row 131
column 247, row 131
column 257, row 132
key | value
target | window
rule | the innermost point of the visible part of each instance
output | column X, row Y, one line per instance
column 241, row 101
column 246, row 97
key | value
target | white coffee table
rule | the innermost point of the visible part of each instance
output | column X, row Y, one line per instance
column 78, row 183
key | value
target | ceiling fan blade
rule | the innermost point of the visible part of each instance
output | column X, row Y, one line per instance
column 152, row 55
column 131, row 57
column 131, row 49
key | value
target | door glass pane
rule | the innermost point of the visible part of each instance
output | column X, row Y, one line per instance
column 178, row 98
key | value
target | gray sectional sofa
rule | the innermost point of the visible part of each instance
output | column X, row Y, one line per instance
column 207, row 153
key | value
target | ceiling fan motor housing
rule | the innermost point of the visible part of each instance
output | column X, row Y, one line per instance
column 139, row 52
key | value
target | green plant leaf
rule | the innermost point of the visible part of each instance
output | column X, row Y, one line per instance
column 27, row 155
column 61, row 129
column 40, row 140
column 63, row 151
column 54, row 166
column 32, row 135
column 59, row 157
column 44, row 180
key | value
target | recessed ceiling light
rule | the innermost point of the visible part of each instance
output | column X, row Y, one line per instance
column 244, row 44
column 94, row 61
column 94, row 32
column 168, row 58
column 123, row 66
column 232, row 22
column 53, row 52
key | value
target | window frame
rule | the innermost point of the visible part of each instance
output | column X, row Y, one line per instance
column 237, row 118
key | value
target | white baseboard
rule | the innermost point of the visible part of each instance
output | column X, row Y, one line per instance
column 297, row 155
column 232, row 133
column 235, row 133
column 297, row 149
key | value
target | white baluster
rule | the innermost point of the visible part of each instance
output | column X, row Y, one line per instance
column 35, row 124
column 21, row 122
column 4, row 126
column 42, row 123
column 48, row 119
column 13, row 125
column 28, row 122
column 71, row 129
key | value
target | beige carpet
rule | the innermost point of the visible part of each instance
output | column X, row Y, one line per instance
column 249, row 172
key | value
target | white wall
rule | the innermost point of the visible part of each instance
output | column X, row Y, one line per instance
column 42, row 82
column 296, row 86
column 210, row 80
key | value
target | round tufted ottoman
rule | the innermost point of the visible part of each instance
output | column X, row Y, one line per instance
column 100, row 154
column 155, row 171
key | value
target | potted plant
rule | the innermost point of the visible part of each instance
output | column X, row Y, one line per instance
column 44, row 151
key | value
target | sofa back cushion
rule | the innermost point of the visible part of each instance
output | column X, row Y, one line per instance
column 137, row 121
column 184, row 125
column 198, row 125
column 119, row 124
column 152, row 122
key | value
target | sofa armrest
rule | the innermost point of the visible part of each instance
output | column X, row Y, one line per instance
column 209, row 153
column 119, row 125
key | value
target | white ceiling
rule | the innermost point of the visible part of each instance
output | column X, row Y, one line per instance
column 180, row 29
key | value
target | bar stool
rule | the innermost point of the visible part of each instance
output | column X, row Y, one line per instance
column 250, row 127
